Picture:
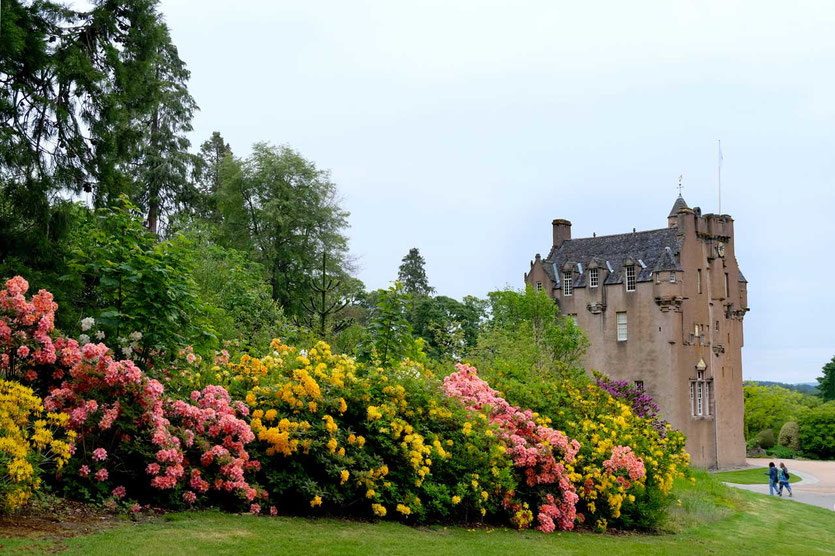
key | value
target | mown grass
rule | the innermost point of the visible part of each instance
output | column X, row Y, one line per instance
column 711, row 518
column 756, row 476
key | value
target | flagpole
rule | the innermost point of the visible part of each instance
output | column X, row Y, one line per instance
column 719, row 175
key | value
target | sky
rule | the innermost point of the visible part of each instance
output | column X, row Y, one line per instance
column 463, row 128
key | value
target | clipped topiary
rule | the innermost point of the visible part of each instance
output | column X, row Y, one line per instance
column 765, row 439
column 789, row 435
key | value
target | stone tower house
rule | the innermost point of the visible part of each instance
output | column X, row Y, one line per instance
column 663, row 308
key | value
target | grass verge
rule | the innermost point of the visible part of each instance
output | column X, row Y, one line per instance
column 708, row 518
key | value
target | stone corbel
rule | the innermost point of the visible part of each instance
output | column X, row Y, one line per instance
column 595, row 308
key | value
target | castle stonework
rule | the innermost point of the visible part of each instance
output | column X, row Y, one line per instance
column 664, row 308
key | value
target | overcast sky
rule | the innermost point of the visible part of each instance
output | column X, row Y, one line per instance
column 464, row 128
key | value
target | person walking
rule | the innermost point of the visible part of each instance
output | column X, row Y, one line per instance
column 784, row 479
column 773, row 478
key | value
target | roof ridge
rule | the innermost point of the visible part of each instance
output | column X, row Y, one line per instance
column 622, row 234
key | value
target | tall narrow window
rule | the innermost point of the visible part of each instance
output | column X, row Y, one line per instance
column 574, row 319
column 699, row 401
column 699, row 280
column 566, row 283
column 539, row 286
column 692, row 398
column 726, row 285
column 630, row 278
column 593, row 277
column 621, row 327
column 672, row 277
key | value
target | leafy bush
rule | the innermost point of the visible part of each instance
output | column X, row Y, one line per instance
column 31, row 440
column 817, row 431
column 765, row 439
column 601, row 422
column 129, row 281
column 364, row 440
column 129, row 434
column 781, row 452
column 789, row 436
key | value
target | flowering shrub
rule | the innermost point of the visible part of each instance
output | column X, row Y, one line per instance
column 386, row 443
column 632, row 394
column 130, row 435
column 30, row 440
column 532, row 445
column 25, row 327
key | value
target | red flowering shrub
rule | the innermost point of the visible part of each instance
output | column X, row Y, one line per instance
column 25, row 327
column 132, row 439
column 533, row 447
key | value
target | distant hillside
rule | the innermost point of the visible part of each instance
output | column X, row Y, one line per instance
column 808, row 388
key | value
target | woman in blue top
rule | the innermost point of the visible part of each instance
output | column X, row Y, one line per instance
column 784, row 479
column 772, row 479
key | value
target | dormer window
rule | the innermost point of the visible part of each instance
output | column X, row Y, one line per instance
column 630, row 278
column 567, row 283
column 594, row 277
column 672, row 277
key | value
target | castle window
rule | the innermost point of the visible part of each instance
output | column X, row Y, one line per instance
column 621, row 327
column 726, row 285
column 566, row 283
column 539, row 286
column 700, row 394
column 630, row 278
column 699, row 401
column 699, row 280
column 672, row 277
column 640, row 385
column 593, row 277
column 574, row 319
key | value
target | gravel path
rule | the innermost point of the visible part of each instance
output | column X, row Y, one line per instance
column 817, row 487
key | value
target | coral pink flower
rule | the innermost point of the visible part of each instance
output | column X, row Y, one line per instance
column 119, row 492
column 101, row 474
column 99, row 454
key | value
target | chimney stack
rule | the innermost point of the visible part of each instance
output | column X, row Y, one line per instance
column 562, row 231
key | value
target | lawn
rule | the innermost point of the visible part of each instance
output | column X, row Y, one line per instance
column 750, row 476
column 711, row 518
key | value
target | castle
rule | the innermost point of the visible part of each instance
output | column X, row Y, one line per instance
column 663, row 308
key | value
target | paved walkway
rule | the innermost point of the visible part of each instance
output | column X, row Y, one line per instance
column 816, row 488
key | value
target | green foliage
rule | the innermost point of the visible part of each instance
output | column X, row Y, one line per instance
column 765, row 439
column 826, row 382
column 129, row 281
column 817, row 431
column 782, row 452
column 768, row 407
column 412, row 274
column 789, row 435
column 389, row 333
column 232, row 288
column 526, row 335
column 449, row 327
column 285, row 211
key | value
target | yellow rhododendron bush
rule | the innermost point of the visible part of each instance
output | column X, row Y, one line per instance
column 31, row 441
column 336, row 437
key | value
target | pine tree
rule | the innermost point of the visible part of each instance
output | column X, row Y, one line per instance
column 213, row 153
column 412, row 274
column 826, row 382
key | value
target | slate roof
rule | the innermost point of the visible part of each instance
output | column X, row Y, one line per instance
column 678, row 205
column 651, row 251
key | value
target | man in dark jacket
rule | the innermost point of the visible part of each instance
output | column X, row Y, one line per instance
column 773, row 479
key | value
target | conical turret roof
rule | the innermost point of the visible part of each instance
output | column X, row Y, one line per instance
column 679, row 204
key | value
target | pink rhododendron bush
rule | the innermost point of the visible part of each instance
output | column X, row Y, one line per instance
column 133, row 441
column 538, row 450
